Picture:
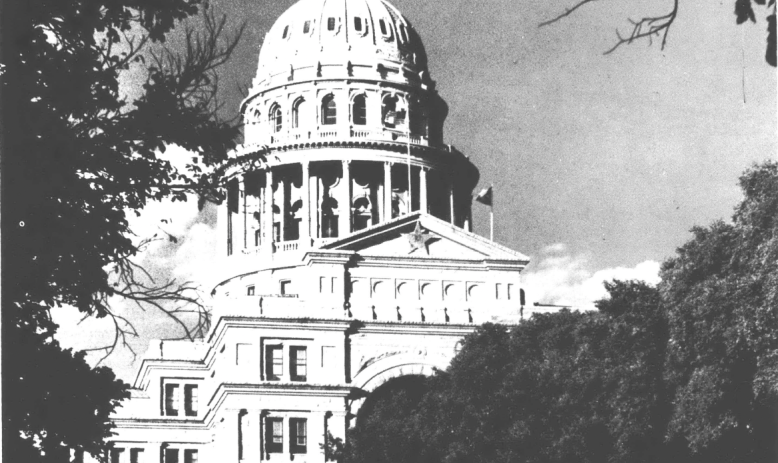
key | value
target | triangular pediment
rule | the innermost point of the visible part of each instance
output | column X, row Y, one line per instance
column 423, row 236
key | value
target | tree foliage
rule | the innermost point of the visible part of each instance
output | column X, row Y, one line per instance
column 81, row 150
column 683, row 372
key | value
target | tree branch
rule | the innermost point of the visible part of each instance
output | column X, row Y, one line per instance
column 567, row 12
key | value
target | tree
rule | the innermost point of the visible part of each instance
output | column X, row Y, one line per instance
column 658, row 26
column 722, row 296
column 79, row 154
column 684, row 372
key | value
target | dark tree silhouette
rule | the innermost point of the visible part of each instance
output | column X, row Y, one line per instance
column 684, row 372
column 80, row 152
column 658, row 26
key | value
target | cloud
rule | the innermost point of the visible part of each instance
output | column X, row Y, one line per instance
column 560, row 278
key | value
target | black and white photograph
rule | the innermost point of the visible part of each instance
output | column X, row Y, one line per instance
column 389, row 231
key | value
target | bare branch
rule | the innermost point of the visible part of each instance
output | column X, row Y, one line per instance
column 648, row 27
column 567, row 12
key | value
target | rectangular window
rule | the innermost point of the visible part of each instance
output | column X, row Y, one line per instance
column 136, row 455
column 330, row 24
column 171, row 455
column 298, row 363
column 298, row 435
column 250, row 290
column 358, row 24
column 277, row 231
column 171, row 399
column 116, row 455
column 274, row 435
column 498, row 291
column 286, row 286
column 190, row 399
column 510, row 290
column 190, row 456
column 274, row 362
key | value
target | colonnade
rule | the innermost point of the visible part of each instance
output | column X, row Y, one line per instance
column 270, row 213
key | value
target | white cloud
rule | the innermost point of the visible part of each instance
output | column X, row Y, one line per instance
column 562, row 279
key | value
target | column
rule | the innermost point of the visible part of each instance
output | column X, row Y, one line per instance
column 423, row 190
column 451, row 198
column 344, row 202
column 387, row 191
column 305, row 223
column 268, row 227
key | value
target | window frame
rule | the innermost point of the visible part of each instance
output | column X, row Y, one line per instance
column 271, row 373
column 276, row 118
column 329, row 110
column 296, row 425
column 191, row 399
column 172, row 399
column 359, row 110
column 270, row 435
column 296, row 363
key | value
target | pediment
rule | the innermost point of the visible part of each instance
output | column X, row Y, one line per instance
column 423, row 236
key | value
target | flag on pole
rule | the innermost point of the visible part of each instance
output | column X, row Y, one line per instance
column 395, row 117
column 485, row 196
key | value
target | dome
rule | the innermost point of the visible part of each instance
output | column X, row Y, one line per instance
column 357, row 34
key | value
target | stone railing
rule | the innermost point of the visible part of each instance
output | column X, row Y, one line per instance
column 333, row 133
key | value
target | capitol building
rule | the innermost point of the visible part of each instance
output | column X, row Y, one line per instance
column 347, row 252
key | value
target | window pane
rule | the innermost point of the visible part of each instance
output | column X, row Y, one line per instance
column 358, row 24
column 329, row 110
column 274, row 363
column 274, row 435
column 360, row 110
column 190, row 456
column 298, row 435
column 171, row 400
column 171, row 455
column 136, row 455
column 306, row 27
column 190, row 399
column 330, row 24
column 299, row 363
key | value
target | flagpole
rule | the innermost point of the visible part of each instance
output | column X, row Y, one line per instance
column 491, row 213
column 408, row 135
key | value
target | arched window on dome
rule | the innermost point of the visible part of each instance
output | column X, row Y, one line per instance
column 403, row 33
column 286, row 32
column 382, row 25
column 276, row 118
column 298, row 108
column 306, row 27
column 358, row 24
column 330, row 24
column 359, row 110
column 329, row 113
column 393, row 113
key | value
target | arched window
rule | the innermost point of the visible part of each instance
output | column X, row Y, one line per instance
column 358, row 24
column 362, row 213
column 276, row 119
column 382, row 25
column 297, row 109
column 359, row 110
column 329, row 218
column 306, row 27
column 329, row 114
column 286, row 32
column 403, row 33
column 393, row 114
column 330, row 24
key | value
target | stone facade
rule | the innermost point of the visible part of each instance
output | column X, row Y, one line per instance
column 346, row 232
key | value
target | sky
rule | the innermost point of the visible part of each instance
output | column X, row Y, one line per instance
column 600, row 164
